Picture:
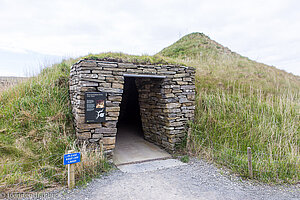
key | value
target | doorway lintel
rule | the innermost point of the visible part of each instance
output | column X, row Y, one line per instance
column 143, row 76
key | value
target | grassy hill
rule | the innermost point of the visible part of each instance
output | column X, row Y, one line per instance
column 241, row 103
column 217, row 64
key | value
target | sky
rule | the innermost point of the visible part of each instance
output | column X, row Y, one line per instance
column 38, row 33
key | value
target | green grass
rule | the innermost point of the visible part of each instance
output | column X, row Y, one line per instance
column 241, row 103
column 193, row 45
column 36, row 129
column 127, row 58
column 229, row 122
column 185, row 159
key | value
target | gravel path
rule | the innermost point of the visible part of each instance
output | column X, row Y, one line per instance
column 197, row 180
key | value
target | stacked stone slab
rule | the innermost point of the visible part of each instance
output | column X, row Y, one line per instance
column 166, row 104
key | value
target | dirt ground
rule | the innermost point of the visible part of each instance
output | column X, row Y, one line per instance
column 196, row 180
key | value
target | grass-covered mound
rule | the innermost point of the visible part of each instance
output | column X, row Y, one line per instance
column 36, row 129
column 241, row 103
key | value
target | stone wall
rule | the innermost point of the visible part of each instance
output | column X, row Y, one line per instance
column 166, row 104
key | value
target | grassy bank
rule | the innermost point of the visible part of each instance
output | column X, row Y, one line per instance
column 241, row 103
column 227, row 122
column 36, row 129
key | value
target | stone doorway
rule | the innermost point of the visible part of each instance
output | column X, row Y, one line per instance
column 166, row 95
column 131, row 146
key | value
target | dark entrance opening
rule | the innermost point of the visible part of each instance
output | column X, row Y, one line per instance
column 130, row 118
column 131, row 147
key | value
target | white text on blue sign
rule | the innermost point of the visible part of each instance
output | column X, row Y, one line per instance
column 71, row 158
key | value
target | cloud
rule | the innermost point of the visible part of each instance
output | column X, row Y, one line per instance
column 263, row 30
column 25, row 63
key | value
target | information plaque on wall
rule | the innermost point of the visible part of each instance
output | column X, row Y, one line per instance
column 95, row 107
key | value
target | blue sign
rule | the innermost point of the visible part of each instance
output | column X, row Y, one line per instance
column 71, row 158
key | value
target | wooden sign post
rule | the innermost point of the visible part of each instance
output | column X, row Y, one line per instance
column 250, row 162
column 70, row 159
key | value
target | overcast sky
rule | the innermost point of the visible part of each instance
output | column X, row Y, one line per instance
column 34, row 33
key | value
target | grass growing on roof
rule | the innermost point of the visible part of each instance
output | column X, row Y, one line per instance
column 127, row 58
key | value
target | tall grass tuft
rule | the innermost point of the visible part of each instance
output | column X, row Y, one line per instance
column 93, row 164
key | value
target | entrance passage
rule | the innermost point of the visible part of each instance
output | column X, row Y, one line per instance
column 130, row 144
column 129, row 108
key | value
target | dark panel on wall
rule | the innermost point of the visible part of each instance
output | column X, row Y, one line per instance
column 95, row 107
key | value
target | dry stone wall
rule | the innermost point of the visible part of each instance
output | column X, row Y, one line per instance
column 166, row 104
